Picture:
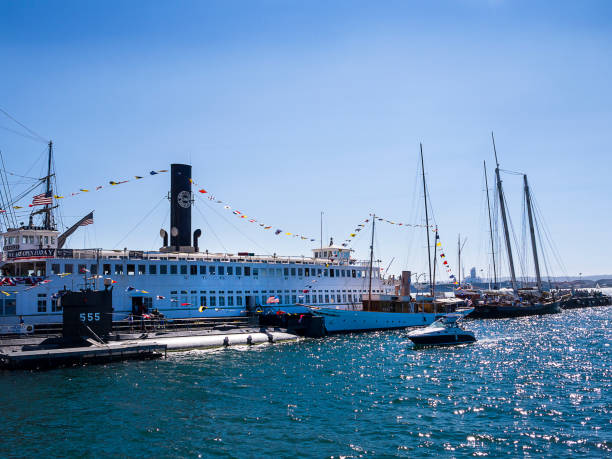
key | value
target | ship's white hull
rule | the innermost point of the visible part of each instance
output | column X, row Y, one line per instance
column 181, row 296
column 339, row 321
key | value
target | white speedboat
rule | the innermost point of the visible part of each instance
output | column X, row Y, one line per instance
column 443, row 331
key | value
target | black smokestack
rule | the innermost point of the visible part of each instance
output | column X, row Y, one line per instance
column 180, row 205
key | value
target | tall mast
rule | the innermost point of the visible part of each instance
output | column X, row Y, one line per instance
column 532, row 231
column 459, row 256
column 48, row 189
column 502, row 207
column 433, row 282
column 321, row 229
column 431, row 288
column 371, row 262
column 490, row 226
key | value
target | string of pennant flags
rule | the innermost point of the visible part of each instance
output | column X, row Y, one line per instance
column 443, row 258
column 47, row 198
column 362, row 225
column 243, row 216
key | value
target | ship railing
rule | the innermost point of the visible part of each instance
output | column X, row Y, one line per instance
column 161, row 256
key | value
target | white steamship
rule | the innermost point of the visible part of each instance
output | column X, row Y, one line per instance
column 179, row 279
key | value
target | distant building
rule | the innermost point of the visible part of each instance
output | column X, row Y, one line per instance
column 472, row 277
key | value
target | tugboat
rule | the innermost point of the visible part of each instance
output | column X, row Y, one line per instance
column 444, row 331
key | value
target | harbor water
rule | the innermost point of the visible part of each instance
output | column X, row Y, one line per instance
column 529, row 387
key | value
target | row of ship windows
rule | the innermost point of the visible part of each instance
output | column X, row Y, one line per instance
column 239, row 300
column 211, row 270
column 9, row 307
column 31, row 239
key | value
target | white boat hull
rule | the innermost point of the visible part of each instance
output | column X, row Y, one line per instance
column 341, row 321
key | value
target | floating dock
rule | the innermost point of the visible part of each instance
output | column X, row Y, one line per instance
column 34, row 353
column 41, row 358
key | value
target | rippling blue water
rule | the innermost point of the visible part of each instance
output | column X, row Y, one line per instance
column 529, row 387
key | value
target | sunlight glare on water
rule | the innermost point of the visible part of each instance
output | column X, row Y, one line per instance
column 530, row 386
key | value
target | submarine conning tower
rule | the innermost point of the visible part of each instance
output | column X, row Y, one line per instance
column 181, row 200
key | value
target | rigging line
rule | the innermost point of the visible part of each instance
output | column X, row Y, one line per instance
column 524, row 236
column 6, row 214
column 59, row 210
column 7, row 192
column 212, row 230
column 266, row 251
column 41, row 138
column 162, row 225
column 511, row 172
column 414, row 216
column 541, row 222
column 27, row 136
column 516, row 244
column 553, row 247
column 543, row 255
column 514, row 239
column 23, row 194
column 43, row 152
column 143, row 219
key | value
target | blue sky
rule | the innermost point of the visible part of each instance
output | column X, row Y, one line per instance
column 286, row 109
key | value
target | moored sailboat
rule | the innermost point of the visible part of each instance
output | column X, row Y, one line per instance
column 516, row 302
column 385, row 311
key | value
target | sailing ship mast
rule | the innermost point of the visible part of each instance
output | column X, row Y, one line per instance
column 490, row 226
column 532, row 231
column 459, row 256
column 371, row 262
column 433, row 282
column 459, row 250
column 502, row 207
column 48, row 223
column 431, row 285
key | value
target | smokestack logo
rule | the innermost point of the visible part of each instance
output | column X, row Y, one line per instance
column 184, row 199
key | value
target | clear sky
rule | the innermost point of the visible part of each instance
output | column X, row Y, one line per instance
column 287, row 108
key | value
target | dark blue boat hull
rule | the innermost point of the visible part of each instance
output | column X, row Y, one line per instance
column 442, row 339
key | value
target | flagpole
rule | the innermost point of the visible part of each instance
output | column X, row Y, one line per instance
column 371, row 264
column 48, row 190
column 321, row 229
column 433, row 282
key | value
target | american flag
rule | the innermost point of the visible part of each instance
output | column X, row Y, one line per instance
column 88, row 220
column 42, row 199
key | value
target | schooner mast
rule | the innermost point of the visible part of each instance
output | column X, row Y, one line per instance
column 502, row 207
column 490, row 225
column 431, row 285
column 532, row 231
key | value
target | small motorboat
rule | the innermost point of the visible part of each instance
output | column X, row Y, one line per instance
column 444, row 331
